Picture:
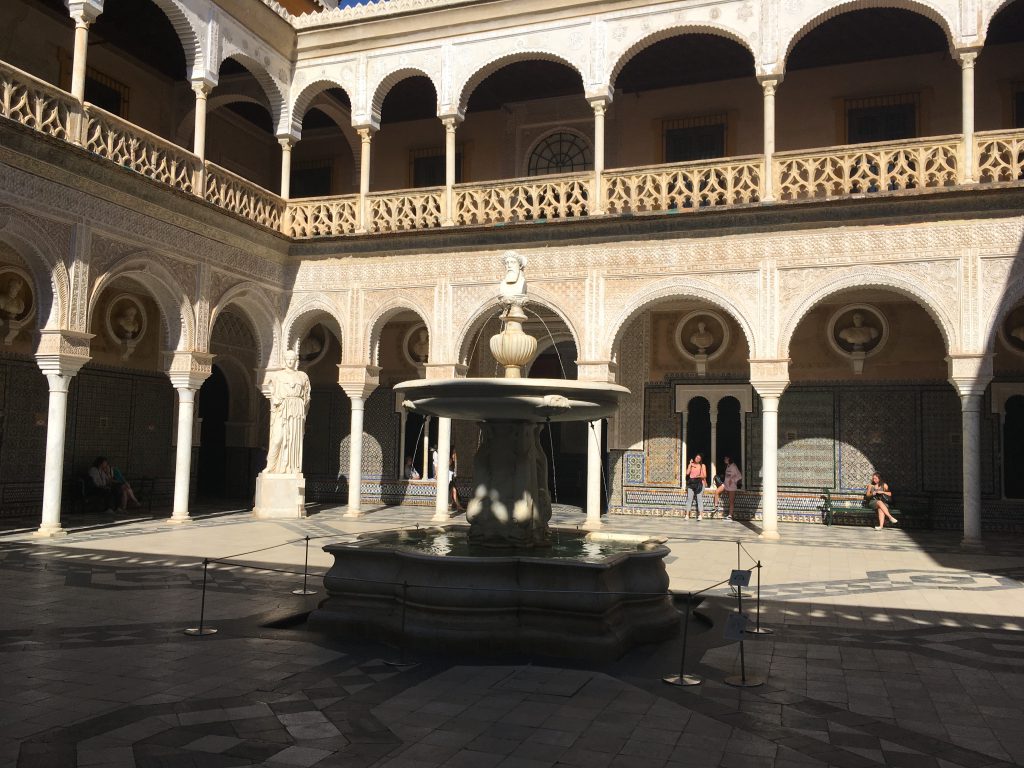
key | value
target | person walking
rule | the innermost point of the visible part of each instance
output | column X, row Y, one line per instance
column 696, row 479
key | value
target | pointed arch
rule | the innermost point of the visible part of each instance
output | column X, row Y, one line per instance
column 305, row 312
column 466, row 88
column 189, row 32
column 383, row 314
column 870, row 277
column 689, row 287
column 390, row 80
column 309, row 94
column 988, row 14
column 275, row 98
column 928, row 9
column 680, row 30
column 176, row 313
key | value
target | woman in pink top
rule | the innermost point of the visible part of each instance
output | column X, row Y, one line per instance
column 696, row 479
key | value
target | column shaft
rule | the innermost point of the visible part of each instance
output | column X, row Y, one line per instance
column 444, row 450
column 286, row 167
column 53, row 472
column 770, row 466
column 183, row 456
column 355, row 458
column 199, row 133
column 597, row 206
column 713, row 458
column 426, row 448
column 769, row 137
column 78, row 63
column 967, row 109
column 971, row 411
column 449, row 171
column 366, row 136
column 594, row 450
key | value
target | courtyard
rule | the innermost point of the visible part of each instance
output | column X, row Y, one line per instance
column 890, row 647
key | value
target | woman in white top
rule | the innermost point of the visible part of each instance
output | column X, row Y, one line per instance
column 730, row 483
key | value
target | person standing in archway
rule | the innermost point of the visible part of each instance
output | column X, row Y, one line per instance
column 696, row 479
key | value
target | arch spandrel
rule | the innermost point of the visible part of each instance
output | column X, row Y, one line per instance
column 796, row 25
column 804, row 289
column 621, row 314
column 42, row 256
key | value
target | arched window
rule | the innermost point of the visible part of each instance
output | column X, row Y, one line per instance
column 561, row 152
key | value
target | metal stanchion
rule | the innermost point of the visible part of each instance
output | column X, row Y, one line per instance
column 682, row 678
column 401, row 662
column 741, row 680
column 305, row 574
column 202, row 630
column 758, row 629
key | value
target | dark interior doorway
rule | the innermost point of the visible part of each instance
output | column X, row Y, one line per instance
column 728, row 437
column 213, row 410
column 698, row 431
column 414, row 430
column 1013, row 447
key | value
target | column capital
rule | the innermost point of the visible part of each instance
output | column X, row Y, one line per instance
column 601, row 94
column 445, row 371
column 188, row 370
column 769, row 377
column 202, row 87
column 451, row 121
column 287, row 141
column 358, row 381
column 366, row 130
column 84, row 11
column 967, row 56
column 770, row 82
column 970, row 374
column 62, row 352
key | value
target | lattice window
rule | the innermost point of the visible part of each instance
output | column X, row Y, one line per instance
column 882, row 118
column 100, row 89
column 701, row 137
column 561, row 152
column 426, row 166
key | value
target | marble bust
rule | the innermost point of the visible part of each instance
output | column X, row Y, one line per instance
column 702, row 338
column 11, row 303
column 128, row 325
column 858, row 335
column 420, row 346
column 513, row 285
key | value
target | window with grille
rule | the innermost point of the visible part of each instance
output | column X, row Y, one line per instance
column 694, row 138
column 882, row 118
column 100, row 89
column 561, row 152
column 311, row 179
column 426, row 166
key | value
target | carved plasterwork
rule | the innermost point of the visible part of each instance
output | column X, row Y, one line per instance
column 43, row 245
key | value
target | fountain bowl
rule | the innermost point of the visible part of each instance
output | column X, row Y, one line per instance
column 381, row 588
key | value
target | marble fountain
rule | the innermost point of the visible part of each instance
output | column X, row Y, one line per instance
column 507, row 581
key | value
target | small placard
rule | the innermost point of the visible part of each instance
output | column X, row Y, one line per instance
column 735, row 626
column 739, row 578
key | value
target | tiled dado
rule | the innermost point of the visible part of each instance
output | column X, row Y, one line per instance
column 387, row 492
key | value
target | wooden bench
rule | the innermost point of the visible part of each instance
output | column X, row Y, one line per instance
column 849, row 510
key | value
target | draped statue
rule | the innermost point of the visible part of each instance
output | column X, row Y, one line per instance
column 289, row 404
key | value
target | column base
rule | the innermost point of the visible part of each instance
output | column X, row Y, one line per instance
column 972, row 545
column 179, row 519
column 770, row 536
column 280, row 497
column 352, row 514
column 592, row 525
column 49, row 531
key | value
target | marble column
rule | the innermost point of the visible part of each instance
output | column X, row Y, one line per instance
column 967, row 60
column 365, row 137
column 600, row 106
column 186, row 383
column 451, row 123
column 426, row 448
column 59, row 369
column 713, row 458
column 970, row 409
column 286, row 142
column 202, row 89
column 770, row 465
column 444, row 450
column 78, row 62
column 768, row 85
column 594, row 473
column 355, row 458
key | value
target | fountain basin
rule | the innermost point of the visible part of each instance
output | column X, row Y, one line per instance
column 594, row 607
column 525, row 400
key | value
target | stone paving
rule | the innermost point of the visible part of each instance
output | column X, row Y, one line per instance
column 890, row 648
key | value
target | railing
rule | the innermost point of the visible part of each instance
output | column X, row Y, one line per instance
column 323, row 216
column 702, row 184
column 831, row 172
column 404, row 209
column 999, row 156
column 540, row 197
column 233, row 193
column 867, row 168
column 132, row 147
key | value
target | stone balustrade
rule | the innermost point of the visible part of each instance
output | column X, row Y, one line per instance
column 867, row 168
column 830, row 172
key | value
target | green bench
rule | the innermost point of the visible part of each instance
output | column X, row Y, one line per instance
column 849, row 510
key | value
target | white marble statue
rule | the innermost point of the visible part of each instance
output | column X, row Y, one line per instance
column 858, row 335
column 703, row 338
column 289, row 404
column 11, row 303
column 420, row 346
column 128, row 326
column 513, row 285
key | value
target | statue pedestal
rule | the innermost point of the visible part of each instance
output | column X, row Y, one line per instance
column 280, row 496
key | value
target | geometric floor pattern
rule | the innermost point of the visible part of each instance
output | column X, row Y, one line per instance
column 889, row 649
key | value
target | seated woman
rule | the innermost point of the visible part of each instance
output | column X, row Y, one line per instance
column 112, row 482
column 879, row 497
column 410, row 472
